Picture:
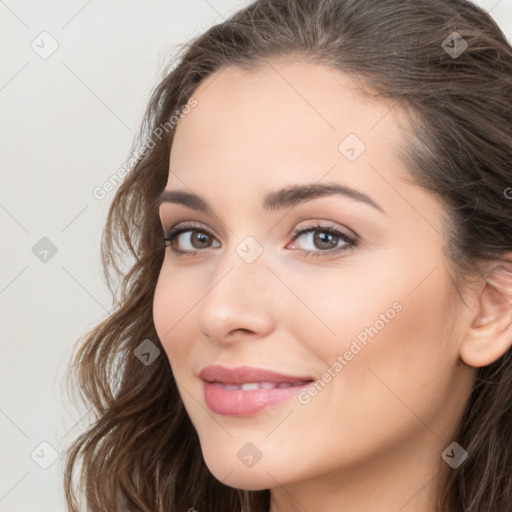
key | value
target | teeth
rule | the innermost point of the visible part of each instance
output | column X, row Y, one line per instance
column 250, row 386
column 230, row 387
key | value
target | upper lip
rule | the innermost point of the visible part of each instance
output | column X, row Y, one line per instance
column 245, row 374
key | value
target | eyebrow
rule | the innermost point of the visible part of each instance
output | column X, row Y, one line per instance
column 276, row 200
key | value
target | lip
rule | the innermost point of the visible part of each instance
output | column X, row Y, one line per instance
column 244, row 374
column 241, row 402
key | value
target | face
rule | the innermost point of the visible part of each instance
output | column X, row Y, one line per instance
column 342, row 291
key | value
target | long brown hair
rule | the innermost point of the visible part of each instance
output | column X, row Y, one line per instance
column 142, row 452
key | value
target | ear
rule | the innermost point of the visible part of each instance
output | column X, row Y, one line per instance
column 490, row 334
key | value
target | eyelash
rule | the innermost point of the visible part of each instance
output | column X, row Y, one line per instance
column 331, row 230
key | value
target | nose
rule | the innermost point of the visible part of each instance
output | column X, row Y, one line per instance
column 238, row 302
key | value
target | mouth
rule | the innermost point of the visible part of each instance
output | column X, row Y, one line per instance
column 250, row 386
column 245, row 391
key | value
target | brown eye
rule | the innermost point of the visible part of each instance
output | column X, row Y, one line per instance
column 321, row 240
column 325, row 240
column 200, row 240
column 189, row 240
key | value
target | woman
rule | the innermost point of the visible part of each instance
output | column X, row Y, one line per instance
column 319, row 314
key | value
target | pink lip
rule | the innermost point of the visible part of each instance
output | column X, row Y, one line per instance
column 244, row 374
column 246, row 402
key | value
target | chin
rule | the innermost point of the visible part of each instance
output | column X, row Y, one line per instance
column 234, row 474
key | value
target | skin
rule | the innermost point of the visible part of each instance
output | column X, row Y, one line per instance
column 372, row 438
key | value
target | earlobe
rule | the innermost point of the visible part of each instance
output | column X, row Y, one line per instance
column 490, row 333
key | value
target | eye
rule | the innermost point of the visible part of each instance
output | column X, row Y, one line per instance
column 322, row 240
column 188, row 239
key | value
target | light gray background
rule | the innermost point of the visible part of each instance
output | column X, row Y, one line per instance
column 67, row 123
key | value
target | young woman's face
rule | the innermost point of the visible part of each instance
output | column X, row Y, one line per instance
column 345, row 287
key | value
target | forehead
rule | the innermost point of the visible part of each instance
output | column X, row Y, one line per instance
column 284, row 116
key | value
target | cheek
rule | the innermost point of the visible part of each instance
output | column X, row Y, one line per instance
column 172, row 303
column 390, row 295
column 386, row 339
column 401, row 374
column 342, row 304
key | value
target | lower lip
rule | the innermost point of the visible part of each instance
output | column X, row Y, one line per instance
column 240, row 402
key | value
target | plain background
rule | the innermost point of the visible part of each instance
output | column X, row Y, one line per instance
column 67, row 123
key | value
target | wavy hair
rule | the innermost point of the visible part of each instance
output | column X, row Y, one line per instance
column 141, row 452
